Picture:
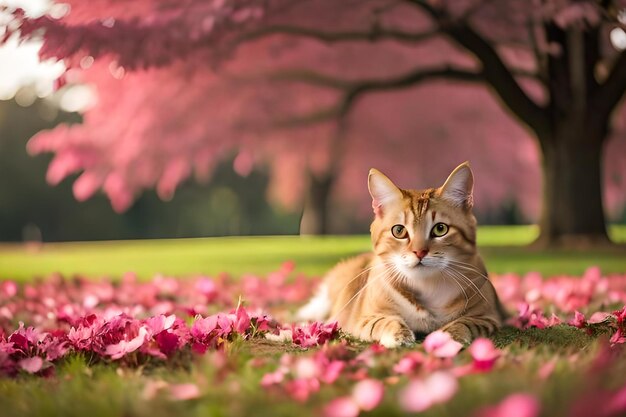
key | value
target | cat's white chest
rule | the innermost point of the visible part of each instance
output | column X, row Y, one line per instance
column 434, row 298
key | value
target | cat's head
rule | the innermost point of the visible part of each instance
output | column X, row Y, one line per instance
column 422, row 232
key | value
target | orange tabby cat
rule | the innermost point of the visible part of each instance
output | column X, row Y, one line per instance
column 424, row 273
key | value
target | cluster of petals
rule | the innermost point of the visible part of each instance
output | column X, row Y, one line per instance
column 44, row 321
column 565, row 293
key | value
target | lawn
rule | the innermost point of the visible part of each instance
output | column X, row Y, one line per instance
column 502, row 248
column 535, row 366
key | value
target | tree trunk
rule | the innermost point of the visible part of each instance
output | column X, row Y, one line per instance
column 572, row 212
column 315, row 214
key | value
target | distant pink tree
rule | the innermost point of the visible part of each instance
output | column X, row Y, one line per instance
column 348, row 84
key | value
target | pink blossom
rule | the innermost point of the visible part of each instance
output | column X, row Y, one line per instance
column 273, row 378
column 441, row 344
column 159, row 323
column 620, row 315
column 484, row 354
column 241, row 320
column 599, row 317
column 8, row 289
column 409, row 363
column 546, row 369
column 367, row 394
column 123, row 347
column 578, row 320
column 516, row 405
column 313, row 334
column 183, row 392
column 341, row 407
column 167, row 342
column 301, row 389
column 331, row 371
column 617, row 402
column 31, row 365
column 529, row 317
column 617, row 338
column 421, row 394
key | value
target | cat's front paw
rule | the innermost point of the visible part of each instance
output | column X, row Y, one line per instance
column 396, row 335
column 459, row 332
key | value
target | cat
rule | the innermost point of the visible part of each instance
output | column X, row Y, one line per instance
column 424, row 273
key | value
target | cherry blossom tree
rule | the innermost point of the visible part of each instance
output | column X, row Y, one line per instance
column 317, row 69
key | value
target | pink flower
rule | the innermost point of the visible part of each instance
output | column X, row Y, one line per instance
column 618, row 338
column 546, row 369
column 409, row 363
column 183, row 392
column 484, row 354
column 123, row 347
column 620, row 315
column 8, row 289
column 441, row 344
column 516, row 405
column 31, row 365
column 421, row 394
column 341, row 407
column 367, row 394
column 273, row 378
column 313, row 334
column 599, row 317
column 578, row 320
column 159, row 323
column 529, row 317
column 301, row 389
column 617, row 403
column 241, row 320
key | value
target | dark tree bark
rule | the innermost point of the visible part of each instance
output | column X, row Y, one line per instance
column 315, row 216
column 572, row 213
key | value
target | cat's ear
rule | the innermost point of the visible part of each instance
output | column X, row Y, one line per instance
column 384, row 192
column 459, row 187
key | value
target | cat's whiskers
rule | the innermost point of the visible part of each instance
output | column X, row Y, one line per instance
column 444, row 273
column 469, row 267
column 469, row 281
column 388, row 267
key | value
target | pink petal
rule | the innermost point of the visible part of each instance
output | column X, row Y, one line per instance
column 617, row 404
column 618, row 338
column 441, row 344
column 578, row 320
column 332, row 371
column 184, row 392
column 120, row 349
column 516, row 405
column 167, row 342
column 546, row 369
column 441, row 386
column 420, row 395
column 413, row 397
column 599, row 317
column 368, row 394
column 341, row 407
column 484, row 353
column 31, row 365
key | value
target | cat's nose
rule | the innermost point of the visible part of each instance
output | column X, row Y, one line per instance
column 421, row 253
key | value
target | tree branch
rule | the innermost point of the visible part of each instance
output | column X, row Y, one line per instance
column 353, row 90
column 611, row 91
column 494, row 70
column 376, row 33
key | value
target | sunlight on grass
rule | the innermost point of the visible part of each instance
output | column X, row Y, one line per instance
column 502, row 247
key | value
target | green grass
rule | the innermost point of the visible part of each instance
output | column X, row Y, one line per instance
column 79, row 388
column 501, row 246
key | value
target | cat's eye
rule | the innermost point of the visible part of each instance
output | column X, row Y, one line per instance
column 440, row 229
column 399, row 232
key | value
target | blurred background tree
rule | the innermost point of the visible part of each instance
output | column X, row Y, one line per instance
column 32, row 211
column 321, row 91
